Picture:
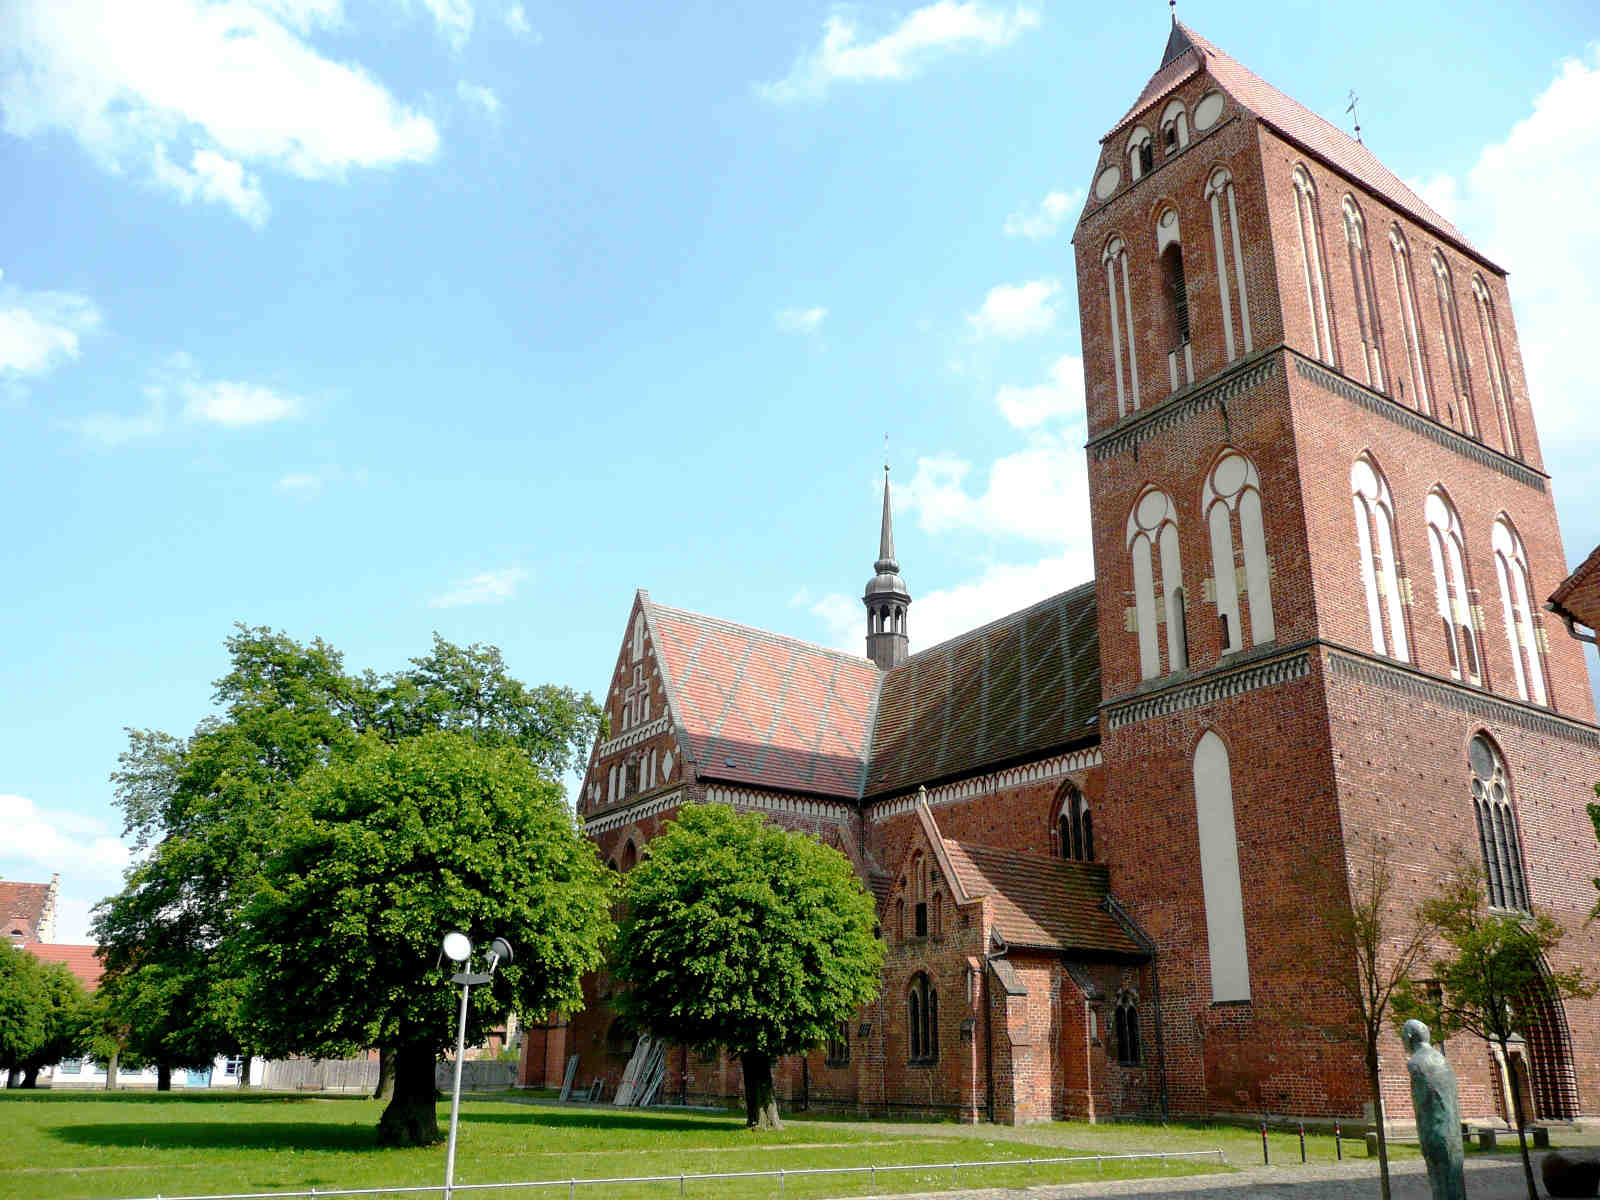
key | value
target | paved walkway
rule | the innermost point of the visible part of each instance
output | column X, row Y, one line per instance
column 1500, row 1179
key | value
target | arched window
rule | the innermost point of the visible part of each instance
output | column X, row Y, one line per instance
column 922, row 1007
column 919, row 895
column 1219, row 870
column 938, row 914
column 1516, row 592
column 611, row 784
column 1141, row 153
column 1405, row 285
column 1497, row 826
column 638, row 636
column 1127, row 1029
column 1499, row 380
column 1447, row 550
column 1169, row 248
column 1232, row 495
column 1152, row 539
column 1355, row 236
column 1174, row 128
column 1455, row 348
column 1225, row 212
column 630, row 857
column 1309, row 226
column 1076, row 826
column 900, row 920
column 1115, row 260
column 1375, row 545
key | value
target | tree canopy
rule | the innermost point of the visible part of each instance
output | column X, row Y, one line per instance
column 740, row 934
column 379, row 855
column 45, row 1015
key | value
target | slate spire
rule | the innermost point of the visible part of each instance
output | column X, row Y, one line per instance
column 886, row 598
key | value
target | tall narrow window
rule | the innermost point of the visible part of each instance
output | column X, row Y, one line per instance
column 1374, row 509
column 1516, row 593
column 1497, row 826
column 1311, row 259
column 1141, row 153
column 638, row 636
column 1455, row 347
column 1405, row 285
column 1174, row 128
column 1225, row 213
column 1355, row 235
column 1175, row 289
column 1153, row 543
column 1127, row 1030
column 1115, row 259
column 1219, row 871
column 1499, row 379
column 1231, row 498
column 1447, row 551
column 1076, row 826
column 922, row 1006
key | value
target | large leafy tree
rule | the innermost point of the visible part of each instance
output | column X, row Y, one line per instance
column 22, row 1011
column 64, row 1010
column 1493, row 979
column 375, row 858
column 743, row 935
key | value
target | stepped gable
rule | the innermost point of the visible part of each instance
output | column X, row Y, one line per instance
column 1187, row 53
column 1044, row 903
column 1024, row 685
column 758, row 708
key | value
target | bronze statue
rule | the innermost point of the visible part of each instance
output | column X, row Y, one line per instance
column 1438, row 1109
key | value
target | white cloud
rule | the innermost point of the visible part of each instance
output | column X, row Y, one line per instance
column 454, row 18
column 85, row 850
column 303, row 485
column 482, row 97
column 902, row 52
column 1045, row 220
column 116, row 429
column 144, row 87
column 1061, row 396
column 41, row 330
column 801, row 320
column 1015, row 310
column 1439, row 192
column 1040, row 493
column 517, row 21
column 486, row 587
column 210, row 176
column 223, row 402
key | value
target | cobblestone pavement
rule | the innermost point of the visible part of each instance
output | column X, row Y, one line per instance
column 1500, row 1179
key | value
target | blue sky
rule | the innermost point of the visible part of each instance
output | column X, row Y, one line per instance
column 369, row 319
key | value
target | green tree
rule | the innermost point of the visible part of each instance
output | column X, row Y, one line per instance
column 377, row 857
column 1493, row 977
column 65, row 1012
column 743, row 935
column 22, row 1012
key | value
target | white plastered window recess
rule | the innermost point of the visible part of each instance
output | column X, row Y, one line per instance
column 1447, row 552
column 1309, row 228
column 1120, row 302
column 1455, row 347
column 1405, row 285
column 1174, row 128
column 1375, row 546
column 1516, row 593
column 1231, row 502
column 1141, row 153
column 1494, row 357
column 1224, row 237
column 1158, row 598
column 1367, row 318
column 1169, row 250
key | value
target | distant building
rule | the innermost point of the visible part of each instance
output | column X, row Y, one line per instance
column 29, row 909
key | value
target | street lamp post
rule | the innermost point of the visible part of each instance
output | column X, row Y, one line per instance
column 458, row 948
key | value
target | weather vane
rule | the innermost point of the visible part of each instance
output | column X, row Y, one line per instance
column 1354, row 99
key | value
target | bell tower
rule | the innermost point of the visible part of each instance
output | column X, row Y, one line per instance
column 886, row 598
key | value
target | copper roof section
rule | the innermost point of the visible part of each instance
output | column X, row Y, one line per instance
column 758, row 708
column 1023, row 685
column 1578, row 596
column 1187, row 52
column 82, row 961
column 1043, row 903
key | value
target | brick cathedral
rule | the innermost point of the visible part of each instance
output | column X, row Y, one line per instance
column 1098, row 828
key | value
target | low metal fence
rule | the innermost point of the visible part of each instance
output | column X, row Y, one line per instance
column 782, row 1175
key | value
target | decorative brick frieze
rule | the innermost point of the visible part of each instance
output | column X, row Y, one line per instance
column 1181, row 408
column 805, row 807
column 638, row 811
column 989, row 784
column 639, row 733
column 1216, row 687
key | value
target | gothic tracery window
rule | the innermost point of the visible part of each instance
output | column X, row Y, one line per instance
column 922, row 1007
column 1153, row 543
column 1375, row 541
column 1405, row 284
column 1075, row 826
column 1141, row 153
column 1174, row 128
column 1232, row 495
column 1447, row 551
column 1516, row 593
column 1126, row 1030
column 1367, row 322
column 1309, row 226
column 1497, row 826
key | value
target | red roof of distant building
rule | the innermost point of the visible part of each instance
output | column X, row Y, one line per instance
column 82, row 961
column 22, row 907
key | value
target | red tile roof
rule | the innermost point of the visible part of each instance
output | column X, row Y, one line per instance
column 1043, row 903
column 82, row 961
column 1578, row 596
column 1023, row 685
column 1188, row 52
column 759, row 708
column 22, row 907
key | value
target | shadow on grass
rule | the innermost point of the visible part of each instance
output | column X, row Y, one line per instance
column 220, row 1135
column 588, row 1118
column 149, row 1096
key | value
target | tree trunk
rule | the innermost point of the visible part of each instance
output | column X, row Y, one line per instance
column 245, row 1063
column 14, row 1078
column 111, row 1072
column 30, row 1077
column 760, row 1099
column 385, row 1088
column 1376, row 1084
column 412, row 1118
column 1517, row 1116
column 163, row 1077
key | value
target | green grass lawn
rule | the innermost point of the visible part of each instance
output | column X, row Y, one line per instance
column 98, row 1146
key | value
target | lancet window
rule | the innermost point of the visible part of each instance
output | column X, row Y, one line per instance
column 1405, row 285
column 1516, row 593
column 1157, row 581
column 1447, row 550
column 1371, row 329
column 1309, row 226
column 1225, row 237
column 1375, row 545
column 1231, row 502
column 1120, row 300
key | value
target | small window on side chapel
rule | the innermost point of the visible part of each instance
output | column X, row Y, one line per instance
column 838, row 1049
column 922, row 1009
column 1076, row 826
column 1127, row 1030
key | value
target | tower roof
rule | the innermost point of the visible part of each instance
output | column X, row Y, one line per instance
column 887, row 581
column 1187, row 54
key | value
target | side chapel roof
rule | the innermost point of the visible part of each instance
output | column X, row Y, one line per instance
column 1578, row 596
column 1187, row 54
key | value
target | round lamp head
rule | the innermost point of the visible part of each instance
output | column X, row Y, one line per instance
column 501, row 949
column 456, row 946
